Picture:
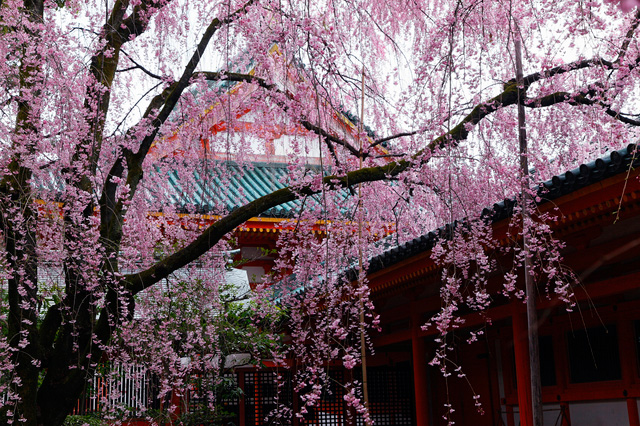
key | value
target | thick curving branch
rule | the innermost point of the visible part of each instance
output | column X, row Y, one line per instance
column 214, row 233
column 509, row 96
column 171, row 96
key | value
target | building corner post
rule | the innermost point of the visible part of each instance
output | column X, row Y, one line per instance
column 521, row 352
column 419, row 355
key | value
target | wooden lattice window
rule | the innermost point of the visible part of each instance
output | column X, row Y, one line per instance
column 262, row 399
column 390, row 396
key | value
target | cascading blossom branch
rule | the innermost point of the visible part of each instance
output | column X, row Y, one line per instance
column 464, row 252
column 467, row 253
column 543, row 251
column 324, row 313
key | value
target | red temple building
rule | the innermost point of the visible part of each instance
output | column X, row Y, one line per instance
column 590, row 358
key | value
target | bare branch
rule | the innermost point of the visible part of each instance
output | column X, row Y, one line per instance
column 329, row 137
column 563, row 69
column 140, row 67
column 579, row 99
column 392, row 137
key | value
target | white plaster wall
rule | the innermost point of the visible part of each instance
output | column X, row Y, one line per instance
column 551, row 416
column 599, row 413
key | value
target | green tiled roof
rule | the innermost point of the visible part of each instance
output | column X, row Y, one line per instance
column 218, row 187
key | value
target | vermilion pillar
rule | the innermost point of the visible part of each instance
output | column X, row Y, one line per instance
column 521, row 349
column 632, row 408
column 626, row 337
column 419, row 373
